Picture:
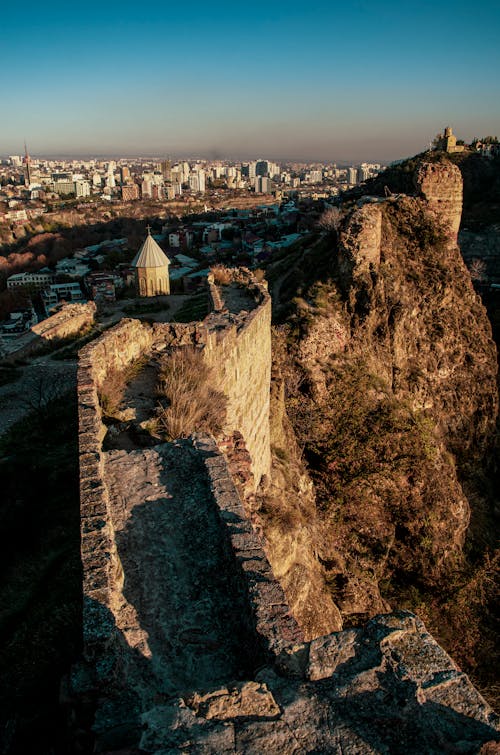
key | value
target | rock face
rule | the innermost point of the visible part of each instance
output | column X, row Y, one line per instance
column 391, row 377
column 441, row 185
column 385, row 688
column 190, row 643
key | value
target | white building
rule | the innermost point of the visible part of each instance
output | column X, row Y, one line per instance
column 40, row 279
column 197, row 181
column 262, row 184
column 82, row 189
column 352, row 176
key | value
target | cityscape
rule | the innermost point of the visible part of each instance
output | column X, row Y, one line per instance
column 144, row 178
column 33, row 190
column 249, row 405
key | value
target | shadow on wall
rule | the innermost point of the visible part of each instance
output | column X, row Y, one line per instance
column 369, row 703
column 181, row 580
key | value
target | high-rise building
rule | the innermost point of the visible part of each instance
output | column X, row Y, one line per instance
column 82, row 188
column 352, row 176
column 124, row 174
column 166, row 167
column 363, row 172
column 262, row 168
column 27, row 166
column 146, row 189
column 130, row 192
column 262, row 184
column 197, row 181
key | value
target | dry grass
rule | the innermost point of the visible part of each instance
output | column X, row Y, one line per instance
column 114, row 385
column 192, row 404
column 223, row 276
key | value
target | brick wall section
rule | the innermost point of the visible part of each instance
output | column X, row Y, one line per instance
column 274, row 623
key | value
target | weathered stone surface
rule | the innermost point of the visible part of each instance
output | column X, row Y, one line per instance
column 188, row 636
column 70, row 319
column 244, row 700
column 442, row 186
column 327, row 653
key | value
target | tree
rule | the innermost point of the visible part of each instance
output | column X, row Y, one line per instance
column 330, row 219
column 477, row 269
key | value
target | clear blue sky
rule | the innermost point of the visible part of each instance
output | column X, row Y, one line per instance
column 350, row 81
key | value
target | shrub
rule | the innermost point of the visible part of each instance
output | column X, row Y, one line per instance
column 222, row 275
column 185, row 381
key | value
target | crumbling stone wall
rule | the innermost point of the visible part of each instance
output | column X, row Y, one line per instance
column 442, row 186
column 274, row 623
column 245, row 379
column 391, row 671
column 241, row 360
column 68, row 321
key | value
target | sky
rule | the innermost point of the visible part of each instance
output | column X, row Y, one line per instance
column 330, row 81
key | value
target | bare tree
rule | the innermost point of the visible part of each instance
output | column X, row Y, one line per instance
column 477, row 269
column 330, row 219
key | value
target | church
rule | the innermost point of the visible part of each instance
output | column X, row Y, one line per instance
column 151, row 269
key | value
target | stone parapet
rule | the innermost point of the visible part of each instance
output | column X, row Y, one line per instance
column 274, row 623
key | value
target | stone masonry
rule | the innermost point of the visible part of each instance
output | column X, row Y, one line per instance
column 189, row 644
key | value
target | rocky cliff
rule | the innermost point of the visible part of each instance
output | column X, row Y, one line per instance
column 390, row 371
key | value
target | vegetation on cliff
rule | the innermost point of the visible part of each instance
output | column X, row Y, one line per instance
column 391, row 390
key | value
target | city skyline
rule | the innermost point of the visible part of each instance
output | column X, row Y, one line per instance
column 333, row 82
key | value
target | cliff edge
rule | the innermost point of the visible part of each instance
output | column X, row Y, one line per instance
column 390, row 392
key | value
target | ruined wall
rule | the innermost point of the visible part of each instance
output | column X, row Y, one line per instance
column 406, row 681
column 224, row 338
column 360, row 240
column 116, row 349
column 241, row 359
column 68, row 321
column 274, row 623
column 442, row 186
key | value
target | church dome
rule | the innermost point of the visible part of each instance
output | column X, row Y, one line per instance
column 150, row 254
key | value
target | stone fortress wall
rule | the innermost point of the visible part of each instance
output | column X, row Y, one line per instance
column 69, row 321
column 324, row 695
column 238, row 347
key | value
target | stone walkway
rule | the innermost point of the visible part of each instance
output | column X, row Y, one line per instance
column 179, row 611
column 237, row 299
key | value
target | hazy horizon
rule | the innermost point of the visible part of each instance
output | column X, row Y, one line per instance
column 329, row 82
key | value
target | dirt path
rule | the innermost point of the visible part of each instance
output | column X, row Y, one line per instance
column 41, row 382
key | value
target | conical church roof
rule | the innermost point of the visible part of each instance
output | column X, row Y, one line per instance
column 150, row 254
